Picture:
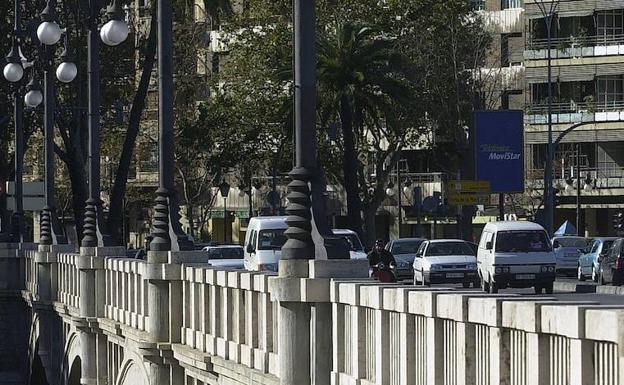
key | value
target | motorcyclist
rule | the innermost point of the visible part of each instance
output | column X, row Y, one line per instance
column 380, row 255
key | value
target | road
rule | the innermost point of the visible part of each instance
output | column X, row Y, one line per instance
column 561, row 295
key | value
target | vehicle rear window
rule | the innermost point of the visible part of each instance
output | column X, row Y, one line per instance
column 522, row 241
column 272, row 239
column 226, row 253
column 405, row 247
column 578, row 243
column 354, row 242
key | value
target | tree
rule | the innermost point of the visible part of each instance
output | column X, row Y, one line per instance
column 362, row 71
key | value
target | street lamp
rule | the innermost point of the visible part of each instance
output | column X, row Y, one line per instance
column 66, row 72
column 49, row 32
column 33, row 97
column 115, row 31
column 93, row 234
column 224, row 189
column 548, row 12
column 390, row 189
column 14, row 70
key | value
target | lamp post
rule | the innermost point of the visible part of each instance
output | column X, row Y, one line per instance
column 224, row 189
column 548, row 13
column 586, row 183
column 114, row 32
column 167, row 232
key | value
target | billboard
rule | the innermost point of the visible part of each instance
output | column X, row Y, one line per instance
column 499, row 149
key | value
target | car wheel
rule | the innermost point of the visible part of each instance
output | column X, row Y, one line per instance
column 579, row 274
column 484, row 285
column 537, row 289
column 422, row 277
column 549, row 288
column 466, row 284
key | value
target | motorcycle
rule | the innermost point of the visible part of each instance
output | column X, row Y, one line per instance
column 383, row 273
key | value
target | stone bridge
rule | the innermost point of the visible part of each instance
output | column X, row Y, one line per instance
column 94, row 318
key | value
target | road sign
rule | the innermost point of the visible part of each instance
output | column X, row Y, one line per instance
column 468, row 199
column 469, row 186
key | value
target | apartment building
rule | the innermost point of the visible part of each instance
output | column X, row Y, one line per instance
column 587, row 50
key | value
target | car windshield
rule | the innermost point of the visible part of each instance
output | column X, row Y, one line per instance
column 578, row 243
column 405, row 247
column 448, row 248
column 522, row 241
column 225, row 253
column 271, row 239
column 353, row 241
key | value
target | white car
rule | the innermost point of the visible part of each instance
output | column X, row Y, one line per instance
column 568, row 250
column 230, row 256
column 445, row 261
column 356, row 249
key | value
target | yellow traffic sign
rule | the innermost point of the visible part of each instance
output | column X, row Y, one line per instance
column 472, row 186
column 468, row 199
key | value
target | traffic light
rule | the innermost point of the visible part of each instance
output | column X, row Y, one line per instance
column 618, row 221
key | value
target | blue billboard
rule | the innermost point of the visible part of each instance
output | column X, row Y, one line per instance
column 499, row 152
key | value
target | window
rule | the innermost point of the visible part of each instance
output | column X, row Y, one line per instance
column 610, row 91
column 506, row 4
column 522, row 241
column 477, row 5
column 405, row 247
column 610, row 24
column 448, row 249
column 272, row 239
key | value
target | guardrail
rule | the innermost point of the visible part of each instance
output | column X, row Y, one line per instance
column 126, row 292
column 68, row 280
column 394, row 335
column 229, row 314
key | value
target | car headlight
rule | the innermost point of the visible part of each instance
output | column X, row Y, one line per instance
column 505, row 269
column 551, row 269
column 435, row 267
column 498, row 270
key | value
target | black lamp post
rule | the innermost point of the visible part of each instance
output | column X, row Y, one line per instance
column 14, row 72
column 224, row 189
column 299, row 244
column 113, row 33
column 167, row 233
column 548, row 12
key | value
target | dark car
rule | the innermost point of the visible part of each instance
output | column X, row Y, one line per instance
column 404, row 251
column 612, row 264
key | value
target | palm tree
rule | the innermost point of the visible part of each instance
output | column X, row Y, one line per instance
column 359, row 70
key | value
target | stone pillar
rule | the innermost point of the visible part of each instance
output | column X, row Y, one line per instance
column 92, row 297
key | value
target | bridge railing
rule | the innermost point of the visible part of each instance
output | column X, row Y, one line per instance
column 229, row 314
column 398, row 336
column 68, row 280
column 30, row 274
column 126, row 292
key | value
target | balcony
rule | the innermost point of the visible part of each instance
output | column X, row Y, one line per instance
column 575, row 47
column 575, row 112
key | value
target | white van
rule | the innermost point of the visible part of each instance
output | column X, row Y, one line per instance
column 263, row 243
column 515, row 254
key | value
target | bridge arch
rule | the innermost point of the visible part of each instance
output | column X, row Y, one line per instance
column 133, row 371
column 71, row 357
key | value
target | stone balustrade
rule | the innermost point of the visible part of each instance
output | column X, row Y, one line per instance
column 407, row 335
column 68, row 280
column 229, row 314
column 126, row 292
column 226, row 323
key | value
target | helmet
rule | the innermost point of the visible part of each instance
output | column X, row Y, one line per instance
column 379, row 243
